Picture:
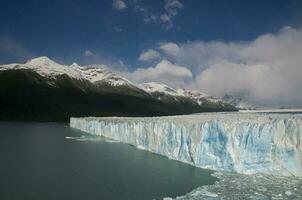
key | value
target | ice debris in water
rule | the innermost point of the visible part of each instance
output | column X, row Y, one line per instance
column 255, row 187
column 91, row 138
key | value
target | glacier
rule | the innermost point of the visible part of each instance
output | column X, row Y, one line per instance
column 245, row 143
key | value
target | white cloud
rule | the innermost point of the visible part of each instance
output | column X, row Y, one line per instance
column 148, row 16
column 10, row 49
column 199, row 55
column 117, row 29
column 165, row 18
column 165, row 72
column 148, row 55
column 171, row 8
column 88, row 53
column 119, row 5
column 170, row 48
column 266, row 70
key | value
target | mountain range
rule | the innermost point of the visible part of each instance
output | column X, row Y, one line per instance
column 44, row 90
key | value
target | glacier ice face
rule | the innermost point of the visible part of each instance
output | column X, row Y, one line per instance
column 246, row 143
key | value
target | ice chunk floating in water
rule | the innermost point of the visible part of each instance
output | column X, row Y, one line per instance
column 239, row 186
column 246, row 143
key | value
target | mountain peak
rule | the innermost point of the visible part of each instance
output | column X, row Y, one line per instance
column 75, row 65
column 47, row 67
column 45, row 63
column 41, row 60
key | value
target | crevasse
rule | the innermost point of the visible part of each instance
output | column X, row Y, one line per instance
column 237, row 142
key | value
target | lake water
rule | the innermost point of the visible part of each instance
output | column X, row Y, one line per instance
column 50, row 161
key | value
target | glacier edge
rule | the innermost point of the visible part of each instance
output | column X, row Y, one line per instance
column 246, row 143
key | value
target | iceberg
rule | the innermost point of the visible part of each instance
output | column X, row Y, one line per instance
column 245, row 143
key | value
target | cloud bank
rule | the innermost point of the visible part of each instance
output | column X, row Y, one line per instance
column 266, row 70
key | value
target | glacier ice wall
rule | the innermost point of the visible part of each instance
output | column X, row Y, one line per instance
column 246, row 143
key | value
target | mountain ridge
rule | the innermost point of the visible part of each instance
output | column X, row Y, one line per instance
column 41, row 88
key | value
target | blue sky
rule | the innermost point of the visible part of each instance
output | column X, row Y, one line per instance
column 64, row 29
column 179, row 42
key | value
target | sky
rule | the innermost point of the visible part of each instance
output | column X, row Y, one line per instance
column 250, row 49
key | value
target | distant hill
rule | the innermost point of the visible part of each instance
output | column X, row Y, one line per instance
column 43, row 90
column 167, row 94
column 240, row 103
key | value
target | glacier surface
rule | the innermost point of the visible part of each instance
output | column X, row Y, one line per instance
column 245, row 143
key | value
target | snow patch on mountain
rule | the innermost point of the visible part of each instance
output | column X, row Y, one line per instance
column 153, row 87
column 200, row 97
column 97, row 73
column 197, row 96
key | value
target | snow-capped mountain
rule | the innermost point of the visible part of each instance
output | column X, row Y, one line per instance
column 50, row 69
column 42, row 89
column 45, row 67
column 160, row 89
column 99, row 74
